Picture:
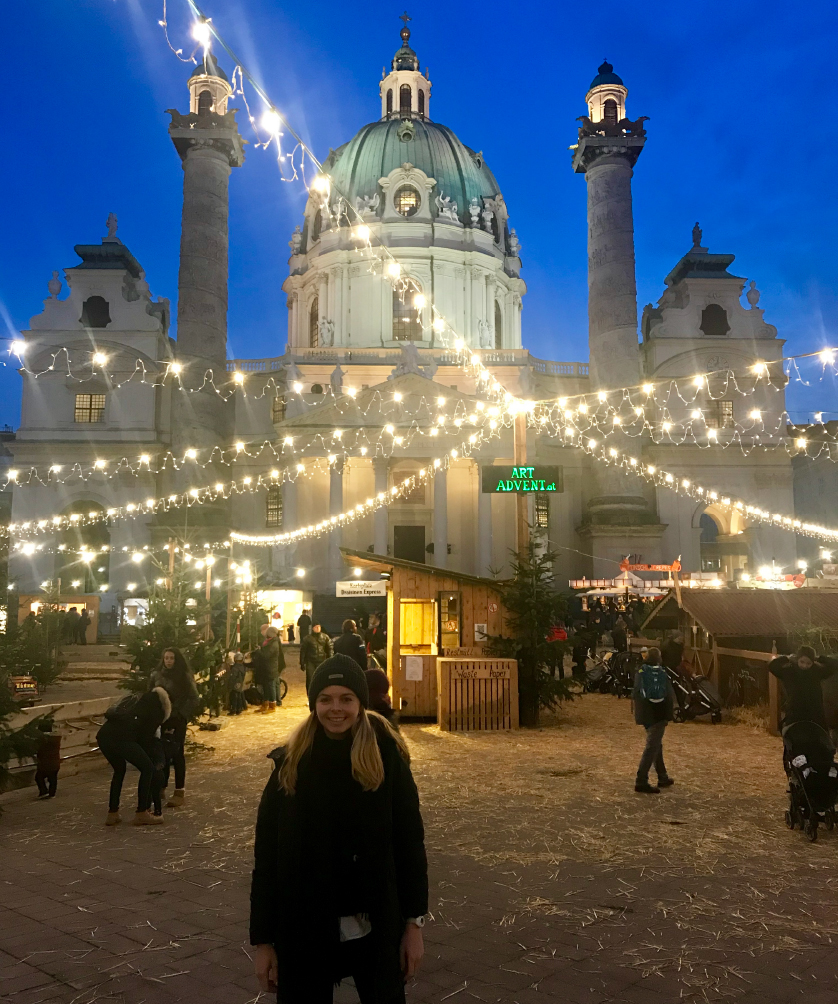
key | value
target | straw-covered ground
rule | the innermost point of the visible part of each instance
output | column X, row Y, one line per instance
column 550, row 877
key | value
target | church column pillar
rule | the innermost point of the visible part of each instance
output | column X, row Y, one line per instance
column 441, row 518
column 322, row 304
column 293, row 308
column 342, row 336
column 334, row 301
column 468, row 329
column 335, row 508
column 381, row 518
column 484, row 527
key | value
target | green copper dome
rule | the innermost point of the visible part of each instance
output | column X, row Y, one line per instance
column 606, row 75
column 381, row 147
column 208, row 67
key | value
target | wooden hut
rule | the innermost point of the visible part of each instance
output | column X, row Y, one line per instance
column 432, row 613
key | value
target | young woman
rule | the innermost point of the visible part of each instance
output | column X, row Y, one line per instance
column 340, row 883
column 128, row 736
column 175, row 677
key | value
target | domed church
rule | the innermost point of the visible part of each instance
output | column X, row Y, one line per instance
column 365, row 388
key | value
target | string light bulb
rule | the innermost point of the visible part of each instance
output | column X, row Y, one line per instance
column 201, row 33
column 271, row 121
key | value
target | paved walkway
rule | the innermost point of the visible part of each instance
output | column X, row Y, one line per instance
column 550, row 878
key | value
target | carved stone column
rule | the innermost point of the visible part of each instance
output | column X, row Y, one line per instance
column 484, row 528
column 335, row 561
column 441, row 518
column 381, row 518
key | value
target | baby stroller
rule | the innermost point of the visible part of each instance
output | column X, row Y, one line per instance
column 695, row 695
column 813, row 777
column 599, row 678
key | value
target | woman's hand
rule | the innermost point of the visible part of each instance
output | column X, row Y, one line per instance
column 412, row 950
column 264, row 959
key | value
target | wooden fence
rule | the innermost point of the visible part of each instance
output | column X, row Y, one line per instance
column 477, row 694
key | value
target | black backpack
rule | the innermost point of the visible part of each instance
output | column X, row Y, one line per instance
column 125, row 710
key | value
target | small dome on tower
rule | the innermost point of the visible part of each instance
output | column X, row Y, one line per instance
column 208, row 67
column 606, row 75
column 405, row 58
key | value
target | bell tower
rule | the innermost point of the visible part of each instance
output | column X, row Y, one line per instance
column 618, row 519
column 405, row 91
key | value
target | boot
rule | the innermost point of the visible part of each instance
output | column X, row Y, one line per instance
column 177, row 798
column 146, row 819
column 266, row 707
column 113, row 818
column 271, row 705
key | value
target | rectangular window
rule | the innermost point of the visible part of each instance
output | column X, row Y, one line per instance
column 542, row 509
column 415, row 495
column 278, row 409
column 273, row 507
column 719, row 415
column 90, row 408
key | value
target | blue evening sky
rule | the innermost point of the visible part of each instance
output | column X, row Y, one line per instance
column 743, row 130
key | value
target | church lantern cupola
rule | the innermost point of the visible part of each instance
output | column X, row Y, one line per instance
column 209, row 88
column 405, row 91
column 606, row 96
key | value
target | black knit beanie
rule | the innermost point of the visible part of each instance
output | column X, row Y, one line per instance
column 339, row 671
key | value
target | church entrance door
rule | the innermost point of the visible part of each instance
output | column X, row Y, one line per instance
column 409, row 543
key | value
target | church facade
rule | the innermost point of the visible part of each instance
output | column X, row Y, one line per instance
column 370, row 388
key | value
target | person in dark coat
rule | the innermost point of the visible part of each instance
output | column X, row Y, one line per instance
column 314, row 649
column 653, row 700
column 672, row 652
column 234, row 677
column 47, row 761
column 304, row 624
column 340, row 881
column 71, row 620
column 128, row 733
column 176, row 678
column 619, row 634
column 82, row 625
column 379, row 688
column 350, row 643
column 268, row 662
column 802, row 678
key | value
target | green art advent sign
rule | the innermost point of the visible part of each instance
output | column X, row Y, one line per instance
column 522, row 480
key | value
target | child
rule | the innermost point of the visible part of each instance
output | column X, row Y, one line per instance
column 236, row 701
column 48, row 761
column 653, row 699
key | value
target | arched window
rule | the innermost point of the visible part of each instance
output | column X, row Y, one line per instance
column 407, row 320
column 316, row 223
column 273, row 507
column 390, row 101
column 714, row 321
column 609, row 111
column 204, row 102
column 498, row 326
column 95, row 312
column 422, row 103
column 405, row 100
column 314, row 324
column 710, row 558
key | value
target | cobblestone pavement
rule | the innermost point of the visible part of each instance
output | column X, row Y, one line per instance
column 550, row 878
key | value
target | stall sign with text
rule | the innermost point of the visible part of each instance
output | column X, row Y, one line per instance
column 522, row 480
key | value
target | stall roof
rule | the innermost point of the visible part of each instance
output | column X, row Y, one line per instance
column 366, row 559
column 765, row 613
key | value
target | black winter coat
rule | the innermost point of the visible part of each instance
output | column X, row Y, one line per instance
column 292, row 892
column 804, row 688
column 267, row 661
column 352, row 644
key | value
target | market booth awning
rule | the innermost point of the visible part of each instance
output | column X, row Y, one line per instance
column 431, row 613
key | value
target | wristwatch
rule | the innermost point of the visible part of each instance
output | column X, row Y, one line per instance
column 418, row 921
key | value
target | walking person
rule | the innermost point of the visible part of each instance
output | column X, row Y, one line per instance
column 340, row 882
column 315, row 648
column 176, row 678
column 130, row 727
column 653, row 699
column 71, row 620
column 47, row 760
column 619, row 635
column 350, row 643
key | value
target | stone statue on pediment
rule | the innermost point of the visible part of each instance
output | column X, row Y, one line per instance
column 296, row 241
column 409, row 362
column 336, row 380
column 326, row 329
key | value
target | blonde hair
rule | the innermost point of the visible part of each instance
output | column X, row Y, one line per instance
column 367, row 765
